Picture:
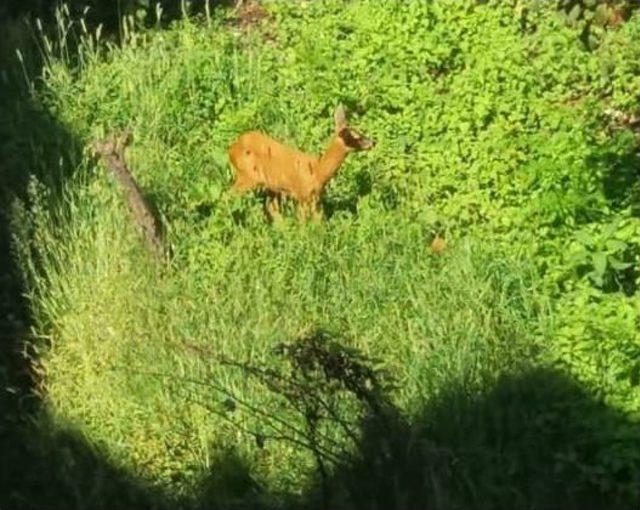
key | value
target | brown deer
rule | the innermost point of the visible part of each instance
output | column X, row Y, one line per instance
column 260, row 162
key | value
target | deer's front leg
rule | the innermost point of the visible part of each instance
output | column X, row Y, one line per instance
column 301, row 210
column 316, row 212
column 309, row 209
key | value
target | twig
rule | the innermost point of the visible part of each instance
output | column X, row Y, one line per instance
column 266, row 376
column 279, row 436
column 228, row 393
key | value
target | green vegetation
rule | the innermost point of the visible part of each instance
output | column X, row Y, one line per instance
column 512, row 356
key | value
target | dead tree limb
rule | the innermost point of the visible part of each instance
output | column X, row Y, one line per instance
column 112, row 151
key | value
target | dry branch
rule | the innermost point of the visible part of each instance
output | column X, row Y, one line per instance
column 112, row 151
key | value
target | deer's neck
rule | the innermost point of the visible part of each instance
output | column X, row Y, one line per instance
column 330, row 161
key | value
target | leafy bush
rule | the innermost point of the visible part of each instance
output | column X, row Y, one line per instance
column 592, row 17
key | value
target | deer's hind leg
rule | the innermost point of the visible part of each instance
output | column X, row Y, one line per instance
column 272, row 207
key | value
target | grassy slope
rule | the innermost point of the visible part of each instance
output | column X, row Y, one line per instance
column 492, row 135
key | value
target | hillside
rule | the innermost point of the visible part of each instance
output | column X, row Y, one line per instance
column 499, row 372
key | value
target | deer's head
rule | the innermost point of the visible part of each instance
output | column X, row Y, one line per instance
column 352, row 139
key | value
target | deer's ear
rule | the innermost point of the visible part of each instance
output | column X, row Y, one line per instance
column 339, row 118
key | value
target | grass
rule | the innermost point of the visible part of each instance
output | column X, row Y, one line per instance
column 432, row 320
column 509, row 361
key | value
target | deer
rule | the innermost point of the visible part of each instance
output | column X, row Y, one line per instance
column 261, row 162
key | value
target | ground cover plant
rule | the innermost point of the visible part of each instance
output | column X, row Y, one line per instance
column 499, row 372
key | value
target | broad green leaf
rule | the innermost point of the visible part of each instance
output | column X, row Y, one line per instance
column 609, row 230
column 618, row 265
column 599, row 262
column 584, row 238
column 597, row 279
column 616, row 245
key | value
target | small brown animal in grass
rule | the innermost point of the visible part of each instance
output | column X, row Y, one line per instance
column 260, row 162
column 438, row 245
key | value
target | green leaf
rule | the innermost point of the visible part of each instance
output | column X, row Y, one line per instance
column 618, row 265
column 599, row 263
column 609, row 230
column 584, row 238
column 597, row 279
column 577, row 256
column 574, row 14
column 615, row 245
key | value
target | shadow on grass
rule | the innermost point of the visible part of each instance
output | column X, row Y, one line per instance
column 534, row 439
column 40, row 466
column 348, row 204
column 621, row 179
column 31, row 143
column 58, row 469
column 44, row 464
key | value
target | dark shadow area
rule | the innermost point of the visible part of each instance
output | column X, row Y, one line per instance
column 534, row 439
column 339, row 204
column 46, row 469
column 39, row 467
column 44, row 465
column 335, row 204
column 109, row 13
column 621, row 178
column 31, row 143
column 230, row 485
column 620, row 170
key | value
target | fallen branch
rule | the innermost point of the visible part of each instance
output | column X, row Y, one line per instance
column 112, row 151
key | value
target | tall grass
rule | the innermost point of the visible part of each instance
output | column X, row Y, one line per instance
column 121, row 331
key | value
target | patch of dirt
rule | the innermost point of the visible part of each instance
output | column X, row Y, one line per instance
column 250, row 14
column 618, row 119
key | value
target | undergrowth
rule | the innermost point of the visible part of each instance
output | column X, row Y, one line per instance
column 513, row 354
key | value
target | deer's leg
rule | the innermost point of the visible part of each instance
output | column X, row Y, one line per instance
column 309, row 209
column 316, row 213
column 272, row 207
column 302, row 210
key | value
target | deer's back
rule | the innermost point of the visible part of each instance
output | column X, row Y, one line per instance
column 267, row 162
